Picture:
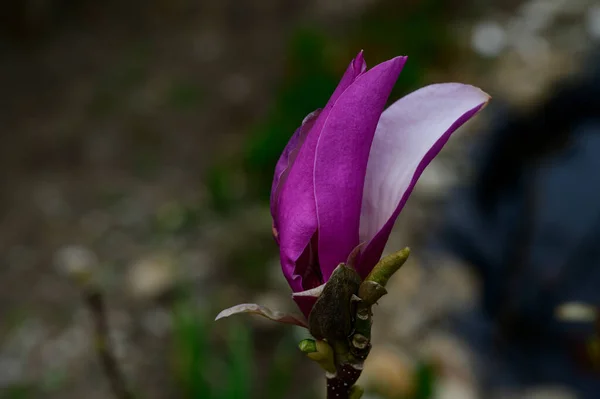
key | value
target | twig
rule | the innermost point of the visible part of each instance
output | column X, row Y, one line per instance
column 95, row 302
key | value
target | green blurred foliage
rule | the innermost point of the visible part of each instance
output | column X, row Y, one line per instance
column 228, row 364
column 424, row 381
column 280, row 377
column 250, row 266
column 185, row 95
column 19, row 391
column 418, row 29
column 202, row 372
column 191, row 352
column 177, row 218
column 219, row 183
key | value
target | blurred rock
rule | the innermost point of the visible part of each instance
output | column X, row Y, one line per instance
column 67, row 348
column 453, row 284
column 151, row 277
column 436, row 180
column 134, row 211
column 157, row 321
column 576, row 312
column 50, row 199
column 17, row 352
column 209, row 46
column 95, row 223
column 76, row 262
column 593, row 22
column 236, row 88
column 489, row 38
column 197, row 264
column 171, row 216
column 388, row 372
column 21, row 257
column 451, row 358
column 399, row 314
column 529, row 82
column 453, row 389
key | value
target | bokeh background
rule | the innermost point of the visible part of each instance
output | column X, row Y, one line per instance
column 139, row 138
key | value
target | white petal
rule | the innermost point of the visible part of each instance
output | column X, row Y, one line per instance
column 314, row 292
column 409, row 134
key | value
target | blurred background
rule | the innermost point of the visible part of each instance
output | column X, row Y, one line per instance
column 138, row 139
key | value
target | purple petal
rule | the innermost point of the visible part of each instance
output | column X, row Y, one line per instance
column 410, row 133
column 359, row 64
column 287, row 158
column 295, row 214
column 341, row 161
column 305, row 303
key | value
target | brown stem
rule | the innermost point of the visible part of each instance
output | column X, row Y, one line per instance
column 95, row 303
column 342, row 385
column 350, row 355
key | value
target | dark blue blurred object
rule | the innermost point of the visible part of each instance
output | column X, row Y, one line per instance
column 530, row 226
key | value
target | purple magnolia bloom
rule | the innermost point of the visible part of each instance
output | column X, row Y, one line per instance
column 347, row 172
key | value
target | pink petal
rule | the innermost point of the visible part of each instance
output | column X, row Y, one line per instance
column 410, row 133
column 295, row 214
column 341, row 161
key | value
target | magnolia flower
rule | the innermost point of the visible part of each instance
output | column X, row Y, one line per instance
column 348, row 170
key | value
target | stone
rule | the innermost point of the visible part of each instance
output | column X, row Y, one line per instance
column 152, row 276
column 388, row 372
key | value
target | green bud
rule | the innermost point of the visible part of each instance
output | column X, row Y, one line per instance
column 308, row 346
column 386, row 267
column 356, row 392
column 320, row 352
